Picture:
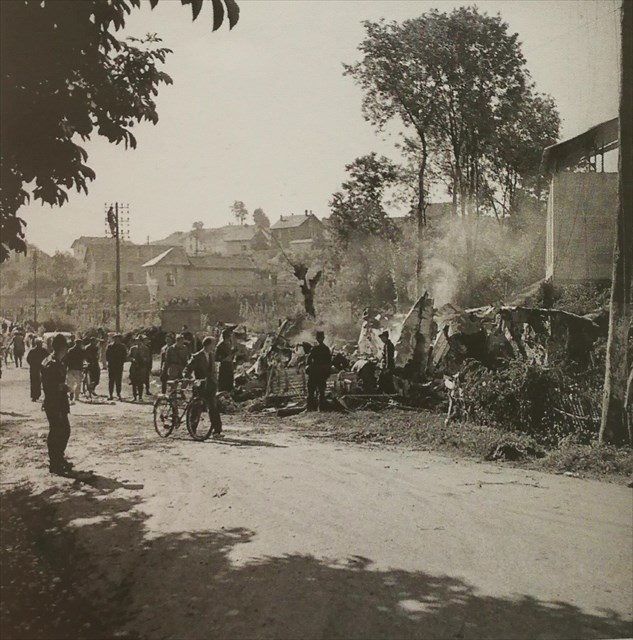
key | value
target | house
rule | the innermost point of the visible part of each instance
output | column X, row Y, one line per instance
column 100, row 261
column 289, row 229
column 174, row 273
column 81, row 244
column 227, row 240
column 244, row 239
column 581, row 206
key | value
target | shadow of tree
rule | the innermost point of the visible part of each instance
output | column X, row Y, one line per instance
column 82, row 565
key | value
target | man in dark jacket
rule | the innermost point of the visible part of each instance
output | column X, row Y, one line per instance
column 116, row 355
column 34, row 359
column 56, row 406
column 74, row 362
column 318, row 365
column 202, row 366
column 388, row 363
column 91, row 354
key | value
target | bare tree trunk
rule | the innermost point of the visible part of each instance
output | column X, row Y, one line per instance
column 420, row 219
column 613, row 425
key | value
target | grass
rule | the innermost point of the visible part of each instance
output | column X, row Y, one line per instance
column 426, row 430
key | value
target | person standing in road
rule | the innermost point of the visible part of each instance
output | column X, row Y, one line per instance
column 224, row 354
column 75, row 365
column 145, row 349
column 34, row 359
column 91, row 353
column 18, row 349
column 387, row 363
column 137, row 368
column 202, row 366
column 56, row 406
column 176, row 357
column 169, row 340
column 116, row 355
column 318, row 365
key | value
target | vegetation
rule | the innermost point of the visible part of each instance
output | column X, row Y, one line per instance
column 66, row 77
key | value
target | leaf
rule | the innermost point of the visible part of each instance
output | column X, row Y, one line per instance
column 218, row 14
column 233, row 12
column 196, row 5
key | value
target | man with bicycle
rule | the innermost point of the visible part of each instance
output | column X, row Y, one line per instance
column 202, row 366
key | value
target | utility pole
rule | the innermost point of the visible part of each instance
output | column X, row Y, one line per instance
column 34, row 288
column 114, row 220
column 613, row 427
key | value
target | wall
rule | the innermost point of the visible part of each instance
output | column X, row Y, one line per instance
column 581, row 215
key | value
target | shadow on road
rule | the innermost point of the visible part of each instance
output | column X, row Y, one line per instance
column 82, row 566
column 232, row 442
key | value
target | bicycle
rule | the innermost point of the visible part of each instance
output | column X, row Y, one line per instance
column 183, row 400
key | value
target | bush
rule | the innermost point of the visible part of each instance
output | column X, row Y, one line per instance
column 543, row 402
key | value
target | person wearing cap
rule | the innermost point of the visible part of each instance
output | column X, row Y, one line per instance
column 91, row 354
column 75, row 364
column 176, row 358
column 387, row 364
column 224, row 354
column 34, row 359
column 169, row 340
column 202, row 366
column 318, row 365
column 116, row 355
column 56, row 405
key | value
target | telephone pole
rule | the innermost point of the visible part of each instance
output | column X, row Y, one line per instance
column 34, row 288
column 114, row 219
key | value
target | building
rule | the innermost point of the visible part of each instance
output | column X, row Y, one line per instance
column 226, row 241
column 81, row 244
column 581, row 207
column 100, row 262
column 174, row 273
column 289, row 229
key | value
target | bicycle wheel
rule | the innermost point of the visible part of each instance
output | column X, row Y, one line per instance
column 198, row 421
column 163, row 417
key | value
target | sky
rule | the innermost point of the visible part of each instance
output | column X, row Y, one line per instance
column 263, row 114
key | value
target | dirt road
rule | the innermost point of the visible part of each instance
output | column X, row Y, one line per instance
column 269, row 534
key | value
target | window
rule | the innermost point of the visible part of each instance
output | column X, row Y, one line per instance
column 130, row 277
column 171, row 279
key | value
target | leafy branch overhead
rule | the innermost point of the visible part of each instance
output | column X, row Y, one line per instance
column 66, row 78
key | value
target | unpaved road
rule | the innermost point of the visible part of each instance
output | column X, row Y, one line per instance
column 273, row 535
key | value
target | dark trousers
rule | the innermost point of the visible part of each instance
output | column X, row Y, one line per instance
column 316, row 392
column 58, row 434
column 137, row 390
column 115, row 376
column 36, row 383
column 163, row 383
column 212, row 403
column 17, row 358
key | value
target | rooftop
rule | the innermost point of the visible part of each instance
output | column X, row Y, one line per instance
column 289, row 222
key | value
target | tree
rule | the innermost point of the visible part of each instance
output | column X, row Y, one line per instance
column 358, row 209
column 239, row 211
column 261, row 219
column 196, row 229
column 613, row 427
column 65, row 76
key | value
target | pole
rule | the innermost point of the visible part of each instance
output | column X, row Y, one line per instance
column 613, row 427
column 117, row 237
column 34, row 288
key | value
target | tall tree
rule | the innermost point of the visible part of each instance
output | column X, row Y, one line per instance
column 613, row 427
column 261, row 219
column 396, row 73
column 239, row 211
column 65, row 76
column 358, row 209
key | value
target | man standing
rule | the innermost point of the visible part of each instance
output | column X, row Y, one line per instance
column 56, row 406
column 145, row 352
column 18, row 348
column 34, row 359
column 176, row 357
column 202, row 365
column 224, row 354
column 116, row 354
column 318, row 365
column 387, row 364
column 91, row 353
column 74, row 365
column 169, row 340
